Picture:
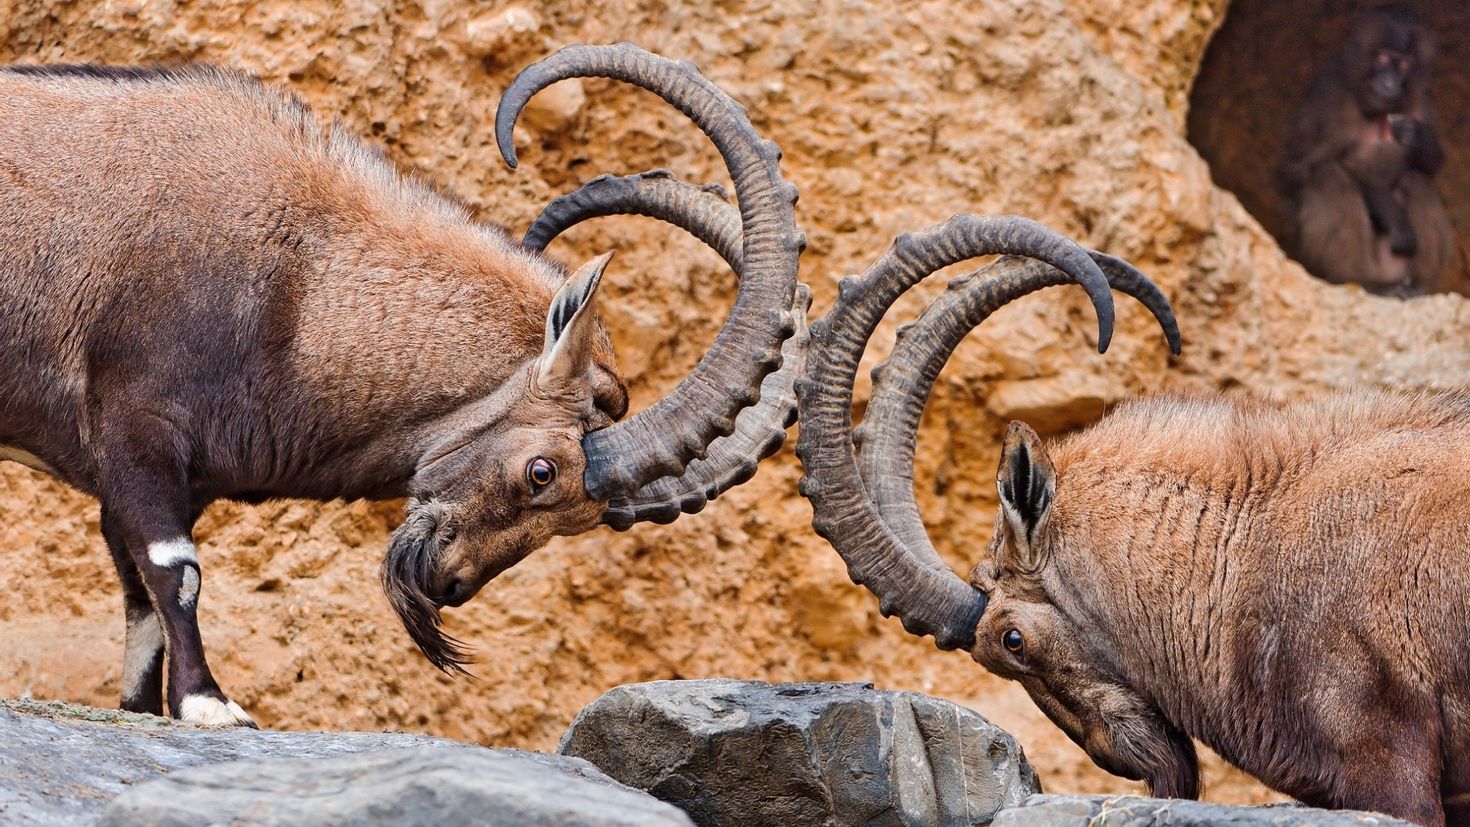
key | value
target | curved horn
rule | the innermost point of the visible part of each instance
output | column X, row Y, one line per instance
column 662, row 439
column 703, row 212
column 760, row 430
column 928, row 599
column 885, row 439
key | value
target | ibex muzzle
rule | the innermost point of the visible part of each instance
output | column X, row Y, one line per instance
column 208, row 296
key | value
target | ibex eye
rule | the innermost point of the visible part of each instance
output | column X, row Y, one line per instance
column 540, row 472
column 1012, row 641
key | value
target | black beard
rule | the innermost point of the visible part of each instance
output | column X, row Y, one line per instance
column 407, row 570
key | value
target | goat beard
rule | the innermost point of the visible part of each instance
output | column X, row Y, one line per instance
column 408, row 568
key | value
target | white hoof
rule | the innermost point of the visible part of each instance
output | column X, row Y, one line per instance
column 206, row 711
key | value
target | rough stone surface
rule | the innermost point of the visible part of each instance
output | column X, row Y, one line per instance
column 893, row 115
column 735, row 753
column 60, row 764
column 1104, row 811
column 426, row 786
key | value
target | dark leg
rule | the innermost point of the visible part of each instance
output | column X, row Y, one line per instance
column 142, row 679
column 148, row 511
column 1392, row 219
column 1457, row 810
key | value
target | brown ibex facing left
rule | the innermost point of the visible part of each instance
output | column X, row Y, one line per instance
column 205, row 295
column 1284, row 582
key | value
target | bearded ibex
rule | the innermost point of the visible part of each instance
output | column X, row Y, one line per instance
column 205, row 295
column 1284, row 582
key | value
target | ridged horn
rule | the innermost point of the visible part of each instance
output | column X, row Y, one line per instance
column 928, row 599
column 702, row 211
column 661, row 440
column 760, row 430
column 885, row 440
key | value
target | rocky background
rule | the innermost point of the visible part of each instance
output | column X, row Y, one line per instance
column 894, row 114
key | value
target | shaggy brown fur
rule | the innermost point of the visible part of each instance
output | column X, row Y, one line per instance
column 1284, row 582
column 204, row 294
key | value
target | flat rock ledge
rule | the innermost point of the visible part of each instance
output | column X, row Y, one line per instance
column 733, row 753
column 1130, row 811
column 62, row 764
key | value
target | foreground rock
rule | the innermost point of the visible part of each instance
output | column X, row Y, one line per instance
column 62, row 764
column 734, row 753
column 433, row 785
column 1104, row 811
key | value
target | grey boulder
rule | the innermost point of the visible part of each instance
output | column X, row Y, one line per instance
column 733, row 753
column 1129, row 811
column 435, row 785
column 61, row 764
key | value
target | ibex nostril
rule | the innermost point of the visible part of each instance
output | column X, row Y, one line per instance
column 453, row 592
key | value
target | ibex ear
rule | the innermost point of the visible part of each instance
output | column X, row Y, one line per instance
column 1027, row 483
column 571, row 325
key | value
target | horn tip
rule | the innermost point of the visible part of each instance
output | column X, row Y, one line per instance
column 507, row 146
column 1104, row 328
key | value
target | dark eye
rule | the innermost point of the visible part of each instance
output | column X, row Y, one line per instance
column 1012, row 641
column 540, row 472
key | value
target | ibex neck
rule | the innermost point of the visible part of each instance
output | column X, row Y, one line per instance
column 402, row 313
column 1166, row 591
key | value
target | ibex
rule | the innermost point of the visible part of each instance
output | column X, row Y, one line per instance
column 1284, row 582
column 205, row 295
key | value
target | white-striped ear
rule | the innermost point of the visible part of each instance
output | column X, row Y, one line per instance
column 570, row 325
column 1027, row 483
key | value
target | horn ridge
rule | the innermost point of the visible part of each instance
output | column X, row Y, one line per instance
column 901, row 385
column 760, row 430
column 928, row 599
column 701, row 211
column 662, row 439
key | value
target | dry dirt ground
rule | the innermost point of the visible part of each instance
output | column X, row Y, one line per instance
column 894, row 115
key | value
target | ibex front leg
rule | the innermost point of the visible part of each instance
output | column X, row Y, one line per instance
column 142, row 676
column 146, row 511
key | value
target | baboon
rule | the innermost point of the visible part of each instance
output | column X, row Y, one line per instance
column 1359, row 161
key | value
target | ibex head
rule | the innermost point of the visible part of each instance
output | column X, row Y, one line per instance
column 1026, row 634
column 544, row 456
column 861, row 484
column 507, row 474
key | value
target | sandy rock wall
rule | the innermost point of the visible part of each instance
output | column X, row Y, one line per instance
column 893, row 115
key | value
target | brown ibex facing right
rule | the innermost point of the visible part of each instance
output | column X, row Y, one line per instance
column 205, row 295
column 1284, row 582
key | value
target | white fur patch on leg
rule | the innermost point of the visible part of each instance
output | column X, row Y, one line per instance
column 206, row 711
column 144, row 643
column 189, row 587
column 169, row 553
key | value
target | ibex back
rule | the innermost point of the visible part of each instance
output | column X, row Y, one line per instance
column 204, row 294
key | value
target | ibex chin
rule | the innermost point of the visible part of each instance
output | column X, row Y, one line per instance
column 205, row 295
column 1284, row 582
